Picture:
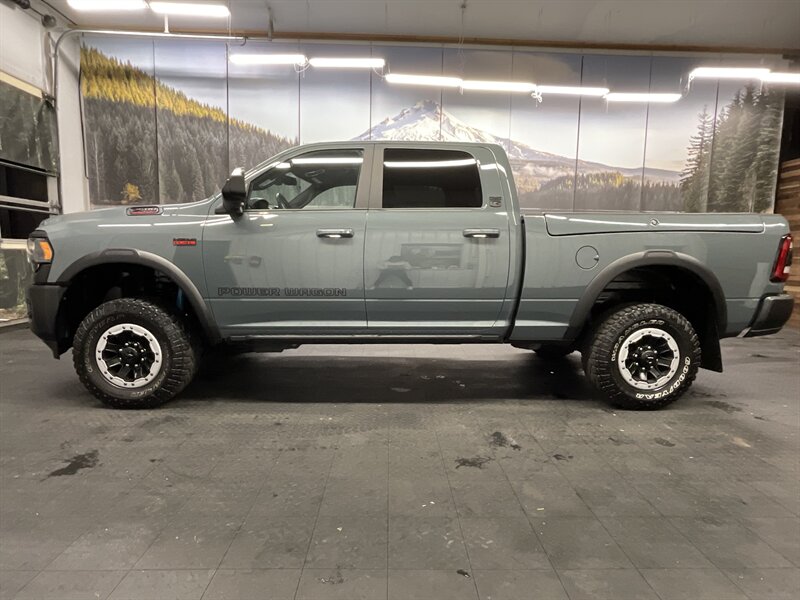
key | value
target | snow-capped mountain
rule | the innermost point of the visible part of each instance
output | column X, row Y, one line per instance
column 426, row 120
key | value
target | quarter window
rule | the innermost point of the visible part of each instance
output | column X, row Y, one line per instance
column 421, row 178
column 323, row 179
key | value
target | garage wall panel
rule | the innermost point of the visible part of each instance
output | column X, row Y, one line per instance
column 543, row 135
column 263, row 105
column 341, row 92
column 612, row 134
column 119, row 101
column 402, row 112
column 22, row 46
column 191, row 118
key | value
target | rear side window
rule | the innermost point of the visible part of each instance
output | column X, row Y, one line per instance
column 418, row 178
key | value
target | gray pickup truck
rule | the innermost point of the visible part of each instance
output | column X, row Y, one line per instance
column 400, row 242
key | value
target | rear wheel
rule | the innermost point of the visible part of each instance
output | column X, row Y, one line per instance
column 133, row 354
column 643, row 356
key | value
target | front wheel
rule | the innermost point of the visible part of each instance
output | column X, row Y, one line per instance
column 643, row 356
column 130, row 353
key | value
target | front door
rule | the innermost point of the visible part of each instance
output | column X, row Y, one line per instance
column 293, row 263
column 437, row 248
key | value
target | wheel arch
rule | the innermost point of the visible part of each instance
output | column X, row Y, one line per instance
column 708, row 329
column 130, row 256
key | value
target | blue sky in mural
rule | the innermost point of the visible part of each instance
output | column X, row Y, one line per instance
column 266, row 95
column 335, row 103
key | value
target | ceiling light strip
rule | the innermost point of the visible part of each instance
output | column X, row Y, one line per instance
column 728, row 73
column 346, row 63
column 642, row 97
column 268, row 59
column 781, row 78
column 566, row 90
column 430, row 80
column 498, row 86
column 106, row 5
column 190, row 9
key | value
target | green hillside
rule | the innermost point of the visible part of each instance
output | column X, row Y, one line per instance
column 147, row 142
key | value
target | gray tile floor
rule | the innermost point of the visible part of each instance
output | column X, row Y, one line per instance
column 396, row 472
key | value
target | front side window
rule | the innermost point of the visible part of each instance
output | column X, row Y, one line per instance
column 422, row 178
column 323, row 179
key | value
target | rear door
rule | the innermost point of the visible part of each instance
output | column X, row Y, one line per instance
column 436, row 260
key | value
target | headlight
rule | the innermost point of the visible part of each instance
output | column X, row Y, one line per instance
column 40, row 251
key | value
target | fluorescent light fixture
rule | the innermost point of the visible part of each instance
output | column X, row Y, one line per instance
column 107, row 5
column 498, row 86
column 641, row 97
column 190, row 9
column 268, row 59
column 781, row 78
column 728, row 73
column 461, row 162
column 434, row 80
column 566, row 90
column 347, row 63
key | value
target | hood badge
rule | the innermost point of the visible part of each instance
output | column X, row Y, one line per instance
column 141, row 211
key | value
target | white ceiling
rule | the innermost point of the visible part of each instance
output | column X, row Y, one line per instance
column 744, row 24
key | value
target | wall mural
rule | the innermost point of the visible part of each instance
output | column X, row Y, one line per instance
column 166, row 120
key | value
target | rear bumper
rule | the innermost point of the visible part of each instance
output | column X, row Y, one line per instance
column 772, row 314
column 43, row 304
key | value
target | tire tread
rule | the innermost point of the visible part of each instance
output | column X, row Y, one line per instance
column 183, row 364
column 598, row 367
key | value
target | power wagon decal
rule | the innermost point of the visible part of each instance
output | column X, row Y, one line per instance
column 287, row 292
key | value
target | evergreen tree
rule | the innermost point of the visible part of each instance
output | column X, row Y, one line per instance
column 722, row 151
column 198, row 184
column 738, row 178
column 770, row 104
column 694, row 177
column 173, row 190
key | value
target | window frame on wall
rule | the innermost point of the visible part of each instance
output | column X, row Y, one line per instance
column 12, row 200
column 19, row 216
column 377, row 191
column 43, row 135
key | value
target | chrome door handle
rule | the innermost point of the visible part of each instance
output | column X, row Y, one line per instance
column 482, row 233
column 334, row 234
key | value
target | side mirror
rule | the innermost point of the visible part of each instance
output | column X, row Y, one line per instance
column 234, row 193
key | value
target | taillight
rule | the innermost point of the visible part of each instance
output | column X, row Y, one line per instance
column 783, row 263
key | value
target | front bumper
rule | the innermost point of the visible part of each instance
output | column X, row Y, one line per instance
column 771, row 315
column 43, row 310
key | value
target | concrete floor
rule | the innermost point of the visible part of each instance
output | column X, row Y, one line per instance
column 401, row 472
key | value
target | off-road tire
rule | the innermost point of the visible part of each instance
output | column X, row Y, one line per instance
column 600, row 360
column 553, row 351
column 178, row 362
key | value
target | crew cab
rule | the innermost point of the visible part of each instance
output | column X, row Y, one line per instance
column 364, row 242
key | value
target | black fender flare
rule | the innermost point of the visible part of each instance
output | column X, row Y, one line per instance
column 159, row 263
column 647, row 258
